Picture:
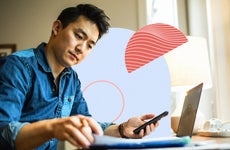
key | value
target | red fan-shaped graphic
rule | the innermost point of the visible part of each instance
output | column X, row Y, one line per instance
column 151, row 42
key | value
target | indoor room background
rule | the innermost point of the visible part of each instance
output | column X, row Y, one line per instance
column 26, row 23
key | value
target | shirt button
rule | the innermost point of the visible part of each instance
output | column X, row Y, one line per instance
column 69, row 99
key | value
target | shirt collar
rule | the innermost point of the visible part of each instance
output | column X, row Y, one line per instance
column 42, row 59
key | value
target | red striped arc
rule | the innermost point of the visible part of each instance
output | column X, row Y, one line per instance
column 151, row 42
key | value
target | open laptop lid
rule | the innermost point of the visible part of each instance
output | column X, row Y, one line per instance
column 189, row 111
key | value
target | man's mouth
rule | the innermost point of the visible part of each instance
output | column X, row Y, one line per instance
column 74, row 54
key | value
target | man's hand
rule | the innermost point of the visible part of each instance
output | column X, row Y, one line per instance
column 77, row 130
column 135, row 122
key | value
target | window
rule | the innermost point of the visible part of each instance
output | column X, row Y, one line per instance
column 158, row 11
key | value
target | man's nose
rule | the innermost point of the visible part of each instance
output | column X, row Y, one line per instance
column 81, row 47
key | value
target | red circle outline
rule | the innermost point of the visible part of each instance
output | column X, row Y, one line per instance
column 117, row 87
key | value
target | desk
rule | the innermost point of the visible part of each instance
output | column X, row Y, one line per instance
column 198, row 143
column 217, row 140
column 203, row 143
column 210, row 142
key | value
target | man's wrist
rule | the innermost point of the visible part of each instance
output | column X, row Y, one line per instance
column 121, row 130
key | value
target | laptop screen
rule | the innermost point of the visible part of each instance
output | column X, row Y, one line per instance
column 189, row 111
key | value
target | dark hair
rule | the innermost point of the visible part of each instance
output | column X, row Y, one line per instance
column 89, row 11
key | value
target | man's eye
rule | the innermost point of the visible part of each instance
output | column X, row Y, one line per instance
column 90, row 46
column 78, row 36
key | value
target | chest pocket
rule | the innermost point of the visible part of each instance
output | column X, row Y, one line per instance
column 67, row 106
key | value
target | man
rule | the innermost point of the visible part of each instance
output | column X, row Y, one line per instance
column 40, row 95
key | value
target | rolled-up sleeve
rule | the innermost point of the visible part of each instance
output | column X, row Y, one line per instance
column 12, row 96
column 105, row 125
column 9, row 131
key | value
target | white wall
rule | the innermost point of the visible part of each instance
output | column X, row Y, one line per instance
column 27, row 23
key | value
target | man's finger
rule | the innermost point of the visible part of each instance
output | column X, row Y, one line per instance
column 86, row 130
column 96, row 128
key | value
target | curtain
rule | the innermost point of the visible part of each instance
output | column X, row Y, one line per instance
column 211, row 19
column 218, row 14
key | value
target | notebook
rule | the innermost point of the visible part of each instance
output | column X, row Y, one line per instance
column 108, row 142
column 189, row 111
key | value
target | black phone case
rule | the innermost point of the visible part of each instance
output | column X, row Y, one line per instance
column 154, row 120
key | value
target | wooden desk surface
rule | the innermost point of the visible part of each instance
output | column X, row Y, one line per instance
column 218, row 140
column 203, row 143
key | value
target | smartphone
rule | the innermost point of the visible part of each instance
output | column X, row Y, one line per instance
column 154, row 120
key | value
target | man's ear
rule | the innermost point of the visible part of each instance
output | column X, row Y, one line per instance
column 57, row 25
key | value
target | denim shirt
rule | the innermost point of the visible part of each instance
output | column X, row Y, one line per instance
column 28, row 94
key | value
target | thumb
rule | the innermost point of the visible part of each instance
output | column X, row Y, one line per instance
column 147, row 116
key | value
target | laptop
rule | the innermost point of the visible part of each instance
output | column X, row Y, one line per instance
column 189, row 111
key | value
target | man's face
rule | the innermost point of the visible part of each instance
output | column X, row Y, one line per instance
column 72, row 44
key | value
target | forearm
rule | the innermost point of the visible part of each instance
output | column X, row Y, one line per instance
column 112, row 130
column 34, row 135
column 69, row 129
column 117, row 130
